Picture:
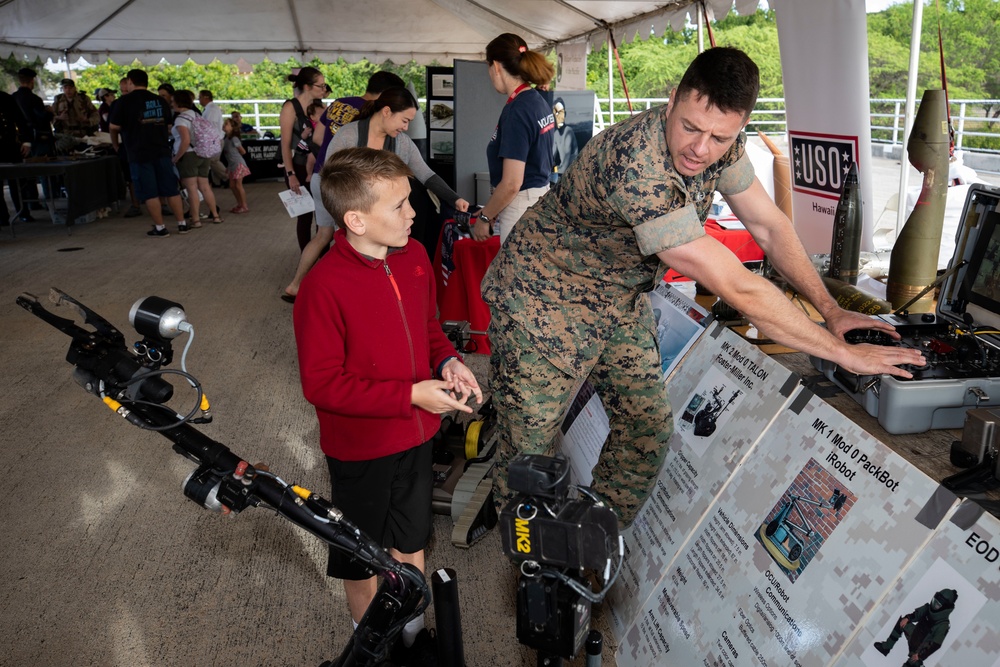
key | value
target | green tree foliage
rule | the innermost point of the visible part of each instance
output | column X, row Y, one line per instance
column 267, row 80
column 971, row 53
column 8, row 74
column 971, row 42
column 655, row 65
column 971, row 48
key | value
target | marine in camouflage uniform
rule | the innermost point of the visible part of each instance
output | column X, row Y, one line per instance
column 567, row 288
column 568, row 300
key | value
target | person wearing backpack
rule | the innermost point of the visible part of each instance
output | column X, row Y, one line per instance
column 193, row 137
column 211, row 111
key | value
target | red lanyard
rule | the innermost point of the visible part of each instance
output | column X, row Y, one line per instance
column 516, row 91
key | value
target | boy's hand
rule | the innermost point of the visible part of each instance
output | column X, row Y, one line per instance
column 465, row 382
column 435, row 396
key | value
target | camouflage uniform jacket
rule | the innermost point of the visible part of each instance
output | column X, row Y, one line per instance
column 576, row 263
column 82, row 116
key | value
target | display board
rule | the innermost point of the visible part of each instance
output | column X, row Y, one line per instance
column 574, row 114
column 779, row 532
column 795, row 550
column 960, row 563
column 477, row 110
column 724, row 395
column 440, row 120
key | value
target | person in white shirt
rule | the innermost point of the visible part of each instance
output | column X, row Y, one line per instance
column 212, row 112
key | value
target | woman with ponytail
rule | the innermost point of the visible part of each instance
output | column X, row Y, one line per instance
column 296, row 129
column 520, row 152
column 381, row 125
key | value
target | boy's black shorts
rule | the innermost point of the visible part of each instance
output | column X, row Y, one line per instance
column 388, row 498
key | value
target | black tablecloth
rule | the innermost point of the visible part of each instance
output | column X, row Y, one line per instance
column 90, row 183
column 263, row 157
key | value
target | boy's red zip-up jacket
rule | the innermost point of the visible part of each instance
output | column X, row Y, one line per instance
column 366, row 331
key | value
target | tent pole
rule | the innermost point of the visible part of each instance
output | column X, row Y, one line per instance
column 911, row 96
column 611, row 86
column 701, row 28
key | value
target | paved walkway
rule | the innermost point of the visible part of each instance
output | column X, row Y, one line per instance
column 105, row 561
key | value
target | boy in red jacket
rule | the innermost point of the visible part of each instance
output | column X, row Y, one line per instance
column 368, row 340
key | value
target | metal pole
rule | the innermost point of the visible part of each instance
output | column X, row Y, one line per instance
column 701, row 27
column 961, row 126
column 911, row 96
column 895, row 124
column 594, row 647
column 611, row 87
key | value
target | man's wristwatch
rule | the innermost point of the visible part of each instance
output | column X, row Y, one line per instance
column 485, row 218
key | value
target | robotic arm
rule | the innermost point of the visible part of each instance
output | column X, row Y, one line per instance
column 131, row 382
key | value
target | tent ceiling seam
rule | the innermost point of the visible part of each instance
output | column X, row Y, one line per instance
column 600, row 23
column 505, row 18
column 97, row 27
column 298, row 29
column 675, row 5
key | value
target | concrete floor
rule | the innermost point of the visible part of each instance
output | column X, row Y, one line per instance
column 105, row 562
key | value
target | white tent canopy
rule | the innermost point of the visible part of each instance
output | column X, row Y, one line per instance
column 379, row 30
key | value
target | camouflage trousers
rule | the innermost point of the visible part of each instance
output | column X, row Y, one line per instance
column 532, row 396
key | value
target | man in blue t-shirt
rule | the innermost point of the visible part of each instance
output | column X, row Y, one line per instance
column 142, row 118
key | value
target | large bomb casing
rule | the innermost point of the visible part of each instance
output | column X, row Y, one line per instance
column 913, row 262
column 845, row 248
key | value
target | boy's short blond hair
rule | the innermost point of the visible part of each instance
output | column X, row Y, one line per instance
column 348, row 178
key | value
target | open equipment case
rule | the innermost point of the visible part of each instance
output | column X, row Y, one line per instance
column 960, row 340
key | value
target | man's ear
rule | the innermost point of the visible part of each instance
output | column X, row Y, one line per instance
column 670, row 99
column 354, row 222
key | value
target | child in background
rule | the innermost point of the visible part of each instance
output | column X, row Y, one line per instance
column 314, row 111
column 370, row 347
column 233, row 149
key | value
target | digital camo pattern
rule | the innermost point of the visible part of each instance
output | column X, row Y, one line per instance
column 964, row 558
column 697, row 466
column 725, row 602
column 572, row 271
column 532, row 396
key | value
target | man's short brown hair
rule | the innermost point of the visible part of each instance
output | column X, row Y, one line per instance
column 727, row 77
column 347, row 181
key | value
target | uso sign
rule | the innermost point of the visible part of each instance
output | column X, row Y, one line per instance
column 820, row 162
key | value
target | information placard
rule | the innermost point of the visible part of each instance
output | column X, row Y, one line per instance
column 802, row 542
column 945, row 608
column 724, row 394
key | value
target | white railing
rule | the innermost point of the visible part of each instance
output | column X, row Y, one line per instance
column 887, row 117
